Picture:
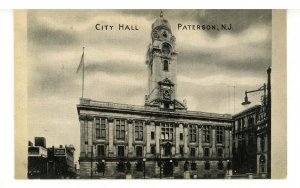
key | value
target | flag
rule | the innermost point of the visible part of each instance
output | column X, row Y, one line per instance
column 81, row 66
column 81, row 63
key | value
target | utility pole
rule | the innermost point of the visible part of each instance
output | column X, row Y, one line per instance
column 92, row 161
column 269, row 136
column 160, row 162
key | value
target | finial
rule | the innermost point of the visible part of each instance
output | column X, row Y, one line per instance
column 161, row 14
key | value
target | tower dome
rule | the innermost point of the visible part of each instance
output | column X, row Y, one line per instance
column 161, row 22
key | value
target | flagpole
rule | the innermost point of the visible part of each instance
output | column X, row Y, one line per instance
column 83, row 73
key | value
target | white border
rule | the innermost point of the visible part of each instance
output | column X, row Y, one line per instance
column 149, row 4
column 7, row 93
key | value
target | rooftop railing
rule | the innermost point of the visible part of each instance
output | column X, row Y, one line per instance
column 89, row 102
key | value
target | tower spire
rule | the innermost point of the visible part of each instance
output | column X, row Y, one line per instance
column 161, row 14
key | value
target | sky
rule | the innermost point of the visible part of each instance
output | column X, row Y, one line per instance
column 214, row 67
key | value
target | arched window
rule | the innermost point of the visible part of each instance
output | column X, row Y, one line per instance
column 166, row 65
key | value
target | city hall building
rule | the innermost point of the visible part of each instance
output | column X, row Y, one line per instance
column 160, row 139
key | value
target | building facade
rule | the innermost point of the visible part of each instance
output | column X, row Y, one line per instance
column 37, row 164
column 161, row 139
column 61, row 162
column 252, row 135
column 244, row 141
column 50, row 163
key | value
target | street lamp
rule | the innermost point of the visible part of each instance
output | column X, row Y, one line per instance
column 171, row 161
column 246, row 101
column 160, row 162
column 103, row 163
column 92, row 155
column 228, row 166
column 267, row 104
column 144, row 163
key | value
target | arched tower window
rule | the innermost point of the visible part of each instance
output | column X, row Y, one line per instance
column 166, row 65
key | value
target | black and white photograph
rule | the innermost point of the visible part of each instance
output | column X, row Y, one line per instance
column 150, row 94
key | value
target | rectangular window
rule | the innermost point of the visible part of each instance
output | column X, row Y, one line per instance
column 167, row 131
column 220, row 134
column 153, row 149
column 181, row 151
column 139, row 151
column 193, row 152
column 121, row 151
column 100, row 128
column 152, row 135
column 120, row 129
column 166, row 65
column 206, row 152
column 138, row 129
column 181, row 136
column 192, row 133
column 206, row 133
column 101, row 150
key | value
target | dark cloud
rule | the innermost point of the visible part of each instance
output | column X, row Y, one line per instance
column 41, row 34
column 203, row 64
column 115, row 68
column 51, row 81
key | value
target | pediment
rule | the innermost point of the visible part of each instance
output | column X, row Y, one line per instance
column 179, row 105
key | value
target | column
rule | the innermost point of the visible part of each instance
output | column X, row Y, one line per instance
column 82, row 138
column 230, row 143
column 185, row 139
column 111, row 126
column 200, row 148
column 213, row 138
column 226, row 142
column 94, row 135
column 130, row 137
column 157, row 136
column 177, row 139
column 148, row 136
column 90, row 135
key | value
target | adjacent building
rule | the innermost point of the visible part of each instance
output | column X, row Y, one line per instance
column 50, row 163
column 37, row 159
column 252, row 136
column 159, row 139
column 244, row 141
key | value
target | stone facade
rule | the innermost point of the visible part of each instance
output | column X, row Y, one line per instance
column 153, row 139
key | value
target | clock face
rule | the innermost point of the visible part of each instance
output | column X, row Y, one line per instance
column 167, row 94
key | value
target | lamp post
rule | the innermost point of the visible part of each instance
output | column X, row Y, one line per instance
column 228, row 166
column 92, row 148
column 171, row 161
column 103, row 163
column 267, row 104
column 160, row 162
column 144, row 164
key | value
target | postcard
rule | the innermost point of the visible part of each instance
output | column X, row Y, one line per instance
column 150, row 94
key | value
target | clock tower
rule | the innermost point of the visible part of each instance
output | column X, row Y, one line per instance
column 161, row 60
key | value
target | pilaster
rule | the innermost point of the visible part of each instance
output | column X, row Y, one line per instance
column 111, row 152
